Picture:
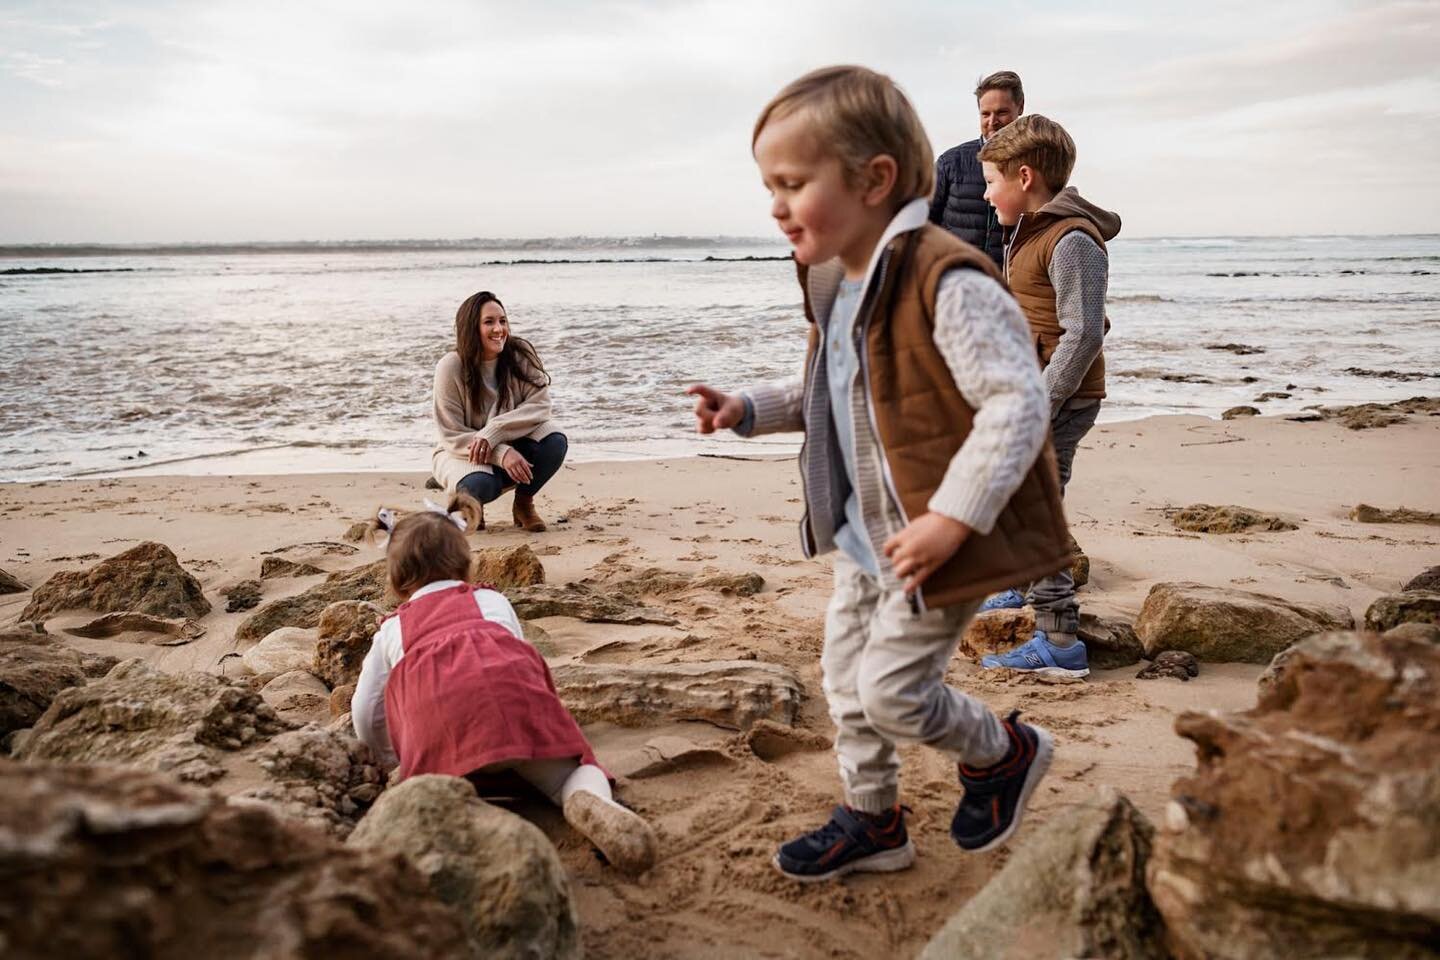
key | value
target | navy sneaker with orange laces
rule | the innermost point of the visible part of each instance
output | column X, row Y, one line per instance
column 851, row 842
column 995, row 796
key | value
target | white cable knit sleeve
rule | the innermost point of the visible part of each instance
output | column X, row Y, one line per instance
column 982, row 335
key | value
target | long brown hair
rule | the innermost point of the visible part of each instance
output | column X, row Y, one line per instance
column 518, row 362
column 425, row 546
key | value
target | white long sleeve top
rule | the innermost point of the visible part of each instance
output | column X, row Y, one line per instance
column 367, row 706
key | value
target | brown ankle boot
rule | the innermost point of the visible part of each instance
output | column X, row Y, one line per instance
column 524, row 512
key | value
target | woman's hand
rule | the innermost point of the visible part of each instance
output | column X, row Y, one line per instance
column 715, row 410
column 479, row 451
column 925, row 543
column 517, row 466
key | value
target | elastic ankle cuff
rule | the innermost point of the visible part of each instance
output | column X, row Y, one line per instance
column 873, row 802
column 1061, row 639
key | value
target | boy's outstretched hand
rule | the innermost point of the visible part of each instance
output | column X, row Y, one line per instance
column 715, row 410
column 925, row 543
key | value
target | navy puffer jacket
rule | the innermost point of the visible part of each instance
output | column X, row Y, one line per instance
column 959, row 202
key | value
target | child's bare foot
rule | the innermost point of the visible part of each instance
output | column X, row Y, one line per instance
column 622, row 835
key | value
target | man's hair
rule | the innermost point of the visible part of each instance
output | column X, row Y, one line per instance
column 857, row 115
column 1036, row 142
column 1002, row 80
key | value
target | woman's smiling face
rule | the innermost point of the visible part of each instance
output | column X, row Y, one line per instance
column 494, row 330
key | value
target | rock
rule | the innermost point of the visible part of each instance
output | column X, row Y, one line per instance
column 655, row 582
column 662, row 755
column 106, row 862
column 340, row 699
column 31, row 674
column 1412, row 606
column 136, row 715
column 346, row 629
column 283, row 650
column 1428, row 580
column 1367, row 416
column 274, row 568
column 368, row 582
column 498, row 871
column 579, row 601
column 299, row 696
column 506, row 567
column 1364, row 513
column 356, row 531
column 1223, row 625
column 9, row 583
column 1309, row 827
column 1428, row 632
column 145, row 579
column 244, row 595
column 1176, row 664
column 162, row 631
column 1074, row 887
column 317, row 774
column 732, row 584
column 1203, row 518
column 1109, row 643
column 1080, row 566
column 728, row 693
column 1239, row 349
column 1235, row 413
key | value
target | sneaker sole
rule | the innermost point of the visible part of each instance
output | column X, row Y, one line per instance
column 886, row 861
column 1044, row 751
column 1058, row 673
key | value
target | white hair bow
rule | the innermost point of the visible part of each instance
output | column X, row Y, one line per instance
column 387, row 518
column 456, row 517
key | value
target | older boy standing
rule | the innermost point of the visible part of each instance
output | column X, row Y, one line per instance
column 959, row 203
column 1058, row 270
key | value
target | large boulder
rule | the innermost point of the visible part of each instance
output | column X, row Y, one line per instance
column 283, row 650
column 144, row 579
column 1412, row 606
column 346, row 630
column 506, row 567
column 497, row 871
column 1109, row 643
column 31, row 674
column 728, row 693
column 366, row 582
column 1223, row 625
column 321, row 775
column 102, row 862
column 1075, row 887
column 137, row 715
column 1311, row 826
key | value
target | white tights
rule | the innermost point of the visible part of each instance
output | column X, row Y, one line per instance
column 558, row 779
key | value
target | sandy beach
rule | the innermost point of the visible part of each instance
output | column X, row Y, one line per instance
column 714, row 893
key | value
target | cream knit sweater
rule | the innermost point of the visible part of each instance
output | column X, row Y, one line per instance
column 457, row 423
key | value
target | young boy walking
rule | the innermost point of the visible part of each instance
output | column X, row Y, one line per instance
column 1058, row 271
column 925, row 461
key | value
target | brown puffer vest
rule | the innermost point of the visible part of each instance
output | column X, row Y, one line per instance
column 922, row 420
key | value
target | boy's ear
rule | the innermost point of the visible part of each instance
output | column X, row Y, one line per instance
column 881, row 173
column 1026, row 177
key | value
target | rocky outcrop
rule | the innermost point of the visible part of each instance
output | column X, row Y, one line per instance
column 141, row 628
column 105, row 862
column 662, row 755
column 1364, row 513
column 340, row 699
column 284, row 650
column 497, row 871
column 317, row 774
column 367, row 582
column 656, row 582
column 275, row 568
column 1412, row 606
column 583, row 603
column 1309, row 828
column 144, row 579
column 1367, row 416
column 244, row 595
column 1176, row 664
column 1109, row 643
column 1075, row 887
column 506, row 567
column 9, row 583
column 1235, row 413
column 1080, row 566
column 729, row 693
column 299, row 696
column 1203, row 518
column 176, row 723
column 31, row 675
column 346, row 629
column 1225, row 625
column 1428, row 579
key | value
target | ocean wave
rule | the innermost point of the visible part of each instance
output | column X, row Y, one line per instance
column 1137, row 298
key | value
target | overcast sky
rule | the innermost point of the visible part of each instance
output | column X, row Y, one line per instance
column 232, row 120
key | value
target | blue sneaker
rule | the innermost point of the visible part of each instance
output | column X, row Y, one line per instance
column 1038, row 655
column 1008, row 600
column 851, row 842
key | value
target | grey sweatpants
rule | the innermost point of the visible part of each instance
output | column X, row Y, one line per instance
column 884, row 676
column 1056, row 608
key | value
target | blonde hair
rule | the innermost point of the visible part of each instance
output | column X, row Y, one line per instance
column 426, row 546
column 1007, row 80
column 1036, row 142
column 857, row 115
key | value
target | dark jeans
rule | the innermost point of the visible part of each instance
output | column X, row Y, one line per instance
column 1056, row 609
column 545, row 457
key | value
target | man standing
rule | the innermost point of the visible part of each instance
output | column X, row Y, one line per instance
column 959, row 202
